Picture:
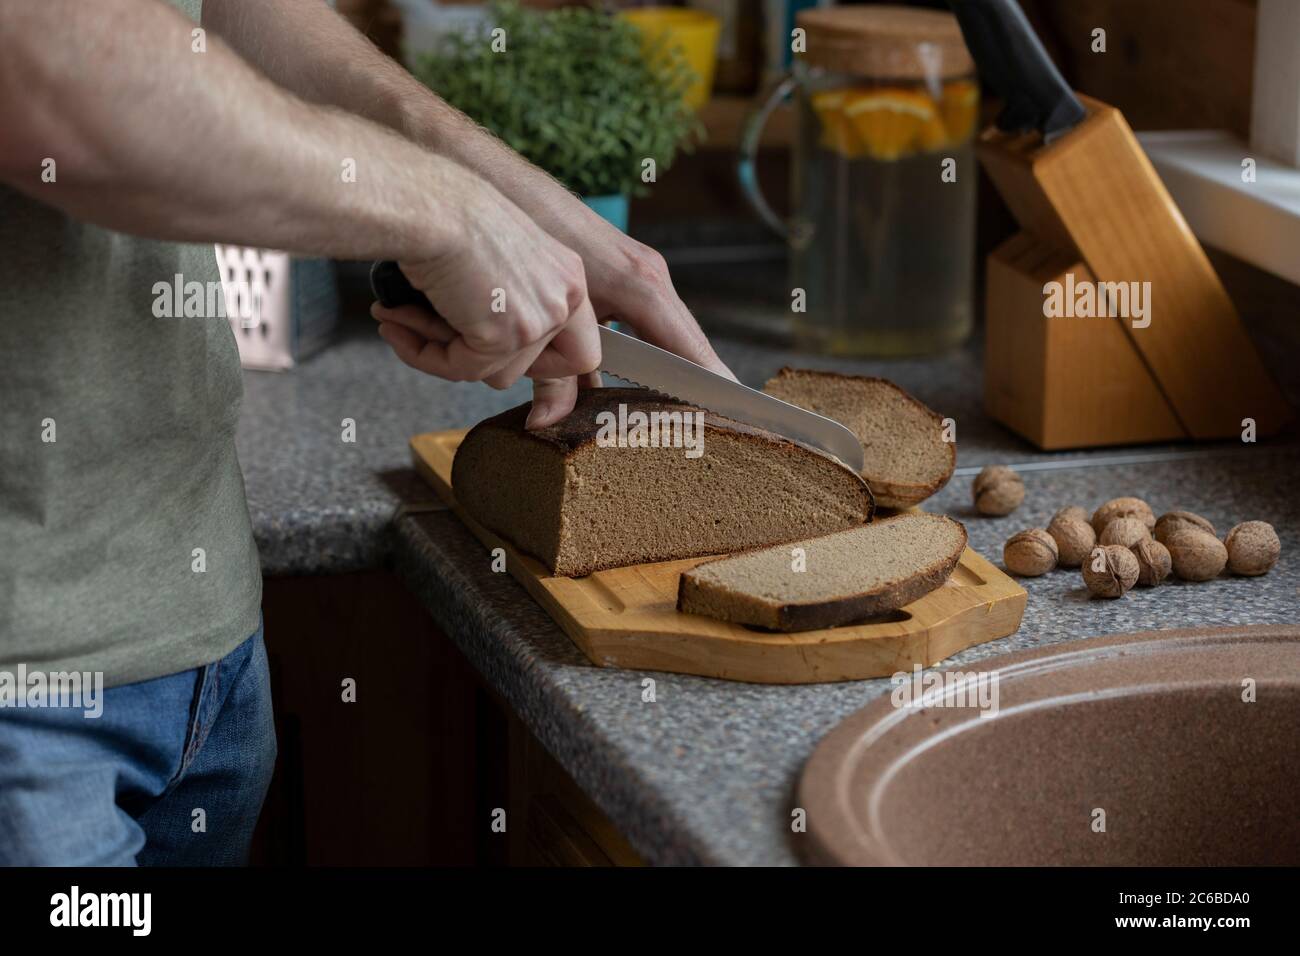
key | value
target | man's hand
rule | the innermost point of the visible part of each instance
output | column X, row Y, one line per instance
column 307, row 48
column 511, row 301
column 626, row 279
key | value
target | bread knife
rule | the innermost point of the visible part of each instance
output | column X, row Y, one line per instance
column 1011, row 58
column 659, row 370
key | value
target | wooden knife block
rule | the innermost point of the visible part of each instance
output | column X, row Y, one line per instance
column 1091, row 204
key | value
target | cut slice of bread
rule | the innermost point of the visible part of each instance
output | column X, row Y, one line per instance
column 581, row 506
column 902, row 440
column 847, row 576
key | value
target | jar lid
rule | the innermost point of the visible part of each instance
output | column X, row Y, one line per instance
column 885, row 42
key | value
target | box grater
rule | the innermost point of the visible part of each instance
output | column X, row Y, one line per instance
column 281, row 309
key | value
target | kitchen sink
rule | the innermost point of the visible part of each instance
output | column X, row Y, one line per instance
column 1169, row 748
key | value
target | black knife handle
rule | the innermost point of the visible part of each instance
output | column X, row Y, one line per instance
column 1011, row 59
column 393, row 289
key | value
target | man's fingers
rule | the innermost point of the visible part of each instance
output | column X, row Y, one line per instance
column 575, row 350
column 459, row 361
column 525, row 341
column 456, row 361
column 651, row 307
column 421, row 321
column 519, row 365
column 668, row 324
column 413, row 349
column 580, row 340
column 553, row 398
column 453, row 362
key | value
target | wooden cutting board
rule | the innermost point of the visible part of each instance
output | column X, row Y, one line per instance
column 628, row 617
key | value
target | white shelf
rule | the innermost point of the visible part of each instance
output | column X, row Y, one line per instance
column 1258, row 221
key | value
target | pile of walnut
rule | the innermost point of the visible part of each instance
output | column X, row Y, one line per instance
column 1124, row 544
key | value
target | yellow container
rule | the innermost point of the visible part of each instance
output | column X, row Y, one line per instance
column 694, row 31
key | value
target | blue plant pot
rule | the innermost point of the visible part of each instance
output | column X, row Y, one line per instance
column 612, row 208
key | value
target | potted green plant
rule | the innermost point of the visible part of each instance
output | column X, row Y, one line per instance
column 577, row 91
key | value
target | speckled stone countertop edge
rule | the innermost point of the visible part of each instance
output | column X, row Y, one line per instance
column 591, row 755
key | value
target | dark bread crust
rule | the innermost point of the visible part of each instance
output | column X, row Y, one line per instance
column 578, row 431
column 845, row 610
column 907, row 493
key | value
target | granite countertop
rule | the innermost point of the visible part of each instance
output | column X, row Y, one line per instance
column 707, row 772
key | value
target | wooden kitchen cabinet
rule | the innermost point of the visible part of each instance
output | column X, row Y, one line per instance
column 413, row 771
column 561, row 824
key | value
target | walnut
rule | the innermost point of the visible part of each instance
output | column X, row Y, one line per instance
column 1153, row 562
column 1030, row 553
column 1110, row 571
column 1172, row 521
column 1196, row 555
column 1074, row 536
column 1122, row 508
column 1126, row 532
column 1253, row 548
column 997, row 490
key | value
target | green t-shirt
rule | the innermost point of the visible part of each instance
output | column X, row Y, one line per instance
column 125, row 544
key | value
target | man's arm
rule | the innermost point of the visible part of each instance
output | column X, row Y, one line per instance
column 308, row 48
column 152, row 138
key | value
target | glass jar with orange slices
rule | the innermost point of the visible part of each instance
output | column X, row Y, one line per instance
column 882, row 229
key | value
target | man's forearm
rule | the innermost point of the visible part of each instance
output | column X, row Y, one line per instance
column 197, row 146
column 308, row 48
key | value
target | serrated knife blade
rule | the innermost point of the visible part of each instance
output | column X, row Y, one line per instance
column 652, row 367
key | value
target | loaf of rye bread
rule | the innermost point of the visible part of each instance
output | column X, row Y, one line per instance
column 840, row 578
column 579, row 507
column 907, row 459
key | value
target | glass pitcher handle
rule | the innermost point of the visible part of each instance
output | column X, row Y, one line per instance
column 746, row 171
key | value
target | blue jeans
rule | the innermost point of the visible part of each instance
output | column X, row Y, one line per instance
column 173, row 773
